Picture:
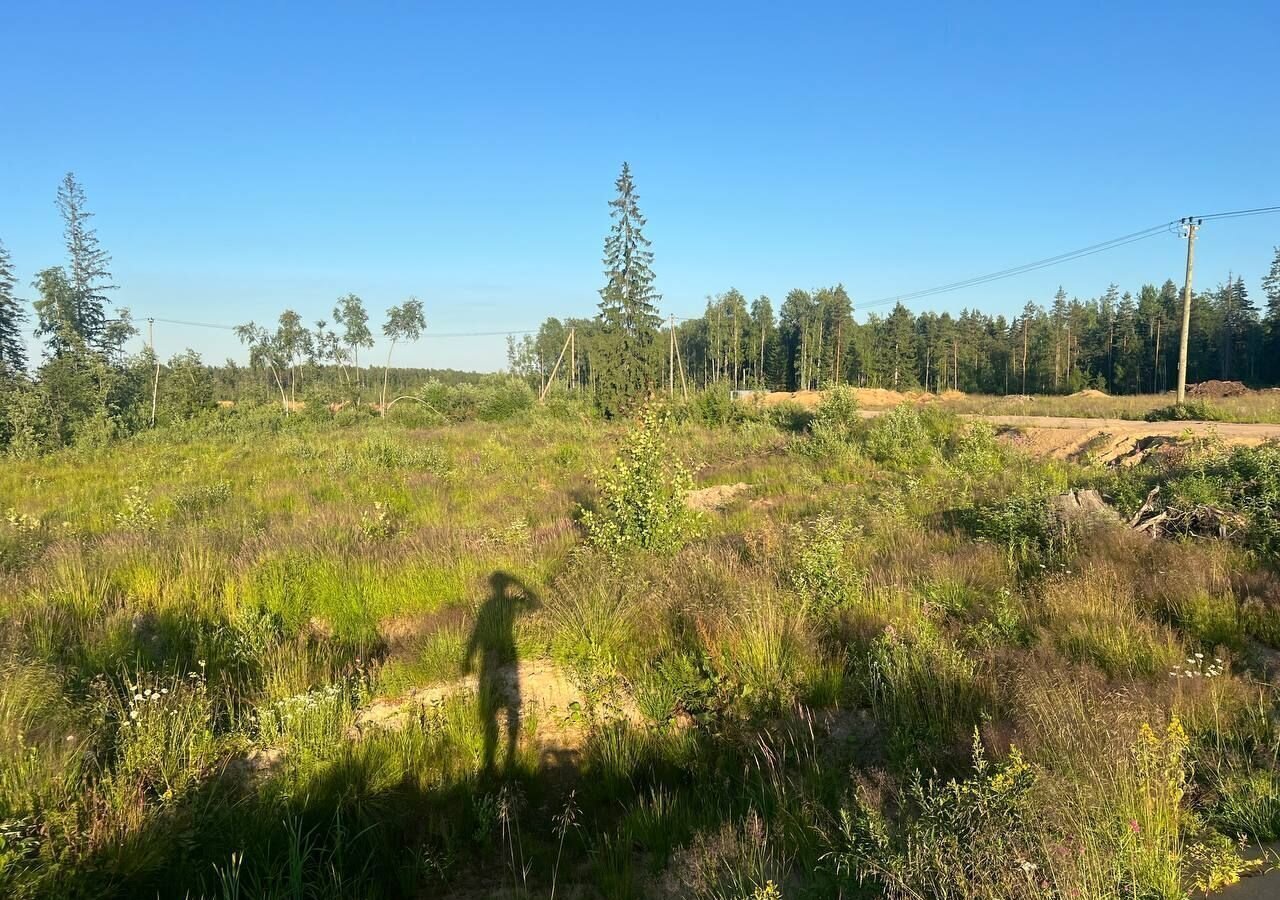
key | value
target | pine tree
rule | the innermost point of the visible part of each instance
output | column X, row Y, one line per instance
column 13, row 355
column 1271, row 290
column 628, row 304
column 88, row 273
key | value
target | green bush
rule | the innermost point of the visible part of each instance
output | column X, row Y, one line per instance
column 907, row 436
column 969, row 838
column 642, row 496
column 713, row 407
column 818, row 570
column 1191, row 411
column 836, row 422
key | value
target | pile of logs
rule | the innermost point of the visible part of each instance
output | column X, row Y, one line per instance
column 1199, row 520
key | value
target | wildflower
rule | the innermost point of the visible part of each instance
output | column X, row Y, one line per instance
column 1134, row 826
column 137, row 697
column 133, row 714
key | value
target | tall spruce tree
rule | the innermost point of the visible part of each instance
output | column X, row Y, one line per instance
column 13, row 355
column 1271, row 318
column 628, row 304
column 88, row 272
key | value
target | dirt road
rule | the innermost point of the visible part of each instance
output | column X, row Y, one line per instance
column 1109, row 440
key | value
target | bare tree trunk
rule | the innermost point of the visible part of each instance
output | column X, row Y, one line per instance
column 385, row 371
column 284, row 403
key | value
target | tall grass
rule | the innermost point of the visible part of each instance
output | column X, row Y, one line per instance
column 198, row 637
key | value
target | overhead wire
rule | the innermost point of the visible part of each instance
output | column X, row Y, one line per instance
column 974, row 281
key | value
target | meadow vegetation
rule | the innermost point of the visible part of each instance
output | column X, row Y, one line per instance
column 885, row 669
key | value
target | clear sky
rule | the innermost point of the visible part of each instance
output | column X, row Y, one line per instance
column 242, row 158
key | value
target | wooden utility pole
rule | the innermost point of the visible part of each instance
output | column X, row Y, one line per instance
column 671, row 357
column 573, row 360
column 684, row 386
column 551, row 379
column 1192, row 226
column 155, row 382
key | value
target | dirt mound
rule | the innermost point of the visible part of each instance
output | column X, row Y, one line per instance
column 868, row 398
column 716, row 497
column 807, row 399
column 882, row 396
column 1092, row 393
column 1216, row 389
column 952, row 394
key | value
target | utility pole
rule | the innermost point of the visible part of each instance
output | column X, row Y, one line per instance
column 1192, row 226
column 155, row 382
column 671, row 356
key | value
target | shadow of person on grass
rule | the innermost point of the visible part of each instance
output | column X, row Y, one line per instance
column 493, row 642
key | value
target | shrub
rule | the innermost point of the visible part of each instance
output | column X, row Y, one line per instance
column 974, row 450
column 906, row 436
column 713, row 407
column 135, row 512
column 1191, row 411
column 818, row 570
column 836, row 422
column 1024, row 526
column 970, row 838
column 642, row 497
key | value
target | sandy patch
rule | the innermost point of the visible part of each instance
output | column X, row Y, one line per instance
column 716, row 497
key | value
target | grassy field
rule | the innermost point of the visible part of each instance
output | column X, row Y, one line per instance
column 268, row 657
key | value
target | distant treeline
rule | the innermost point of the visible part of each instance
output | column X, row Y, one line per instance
column 86, row 390
column 1119, row 342
column 234, row 382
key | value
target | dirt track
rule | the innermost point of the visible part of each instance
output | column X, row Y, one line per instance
column 1105, row 440
column 1062, row 437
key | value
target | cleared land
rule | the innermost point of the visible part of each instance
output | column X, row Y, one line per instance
column 850, row 657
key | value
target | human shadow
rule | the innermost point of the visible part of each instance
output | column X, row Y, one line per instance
column 493, row 645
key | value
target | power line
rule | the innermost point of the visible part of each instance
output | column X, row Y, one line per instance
column 1069, row 256
column 1239, row 213
column 1023, row 269
column 975, row 281
column 425, row 334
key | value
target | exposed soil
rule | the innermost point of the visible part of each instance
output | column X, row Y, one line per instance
column 1114, row 441
column 1110, row 441
column 716, row 497
column 1217, row 389
column 559, row 706
column 869, row 398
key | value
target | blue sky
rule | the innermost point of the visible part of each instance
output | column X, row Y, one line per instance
column 242, row 158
